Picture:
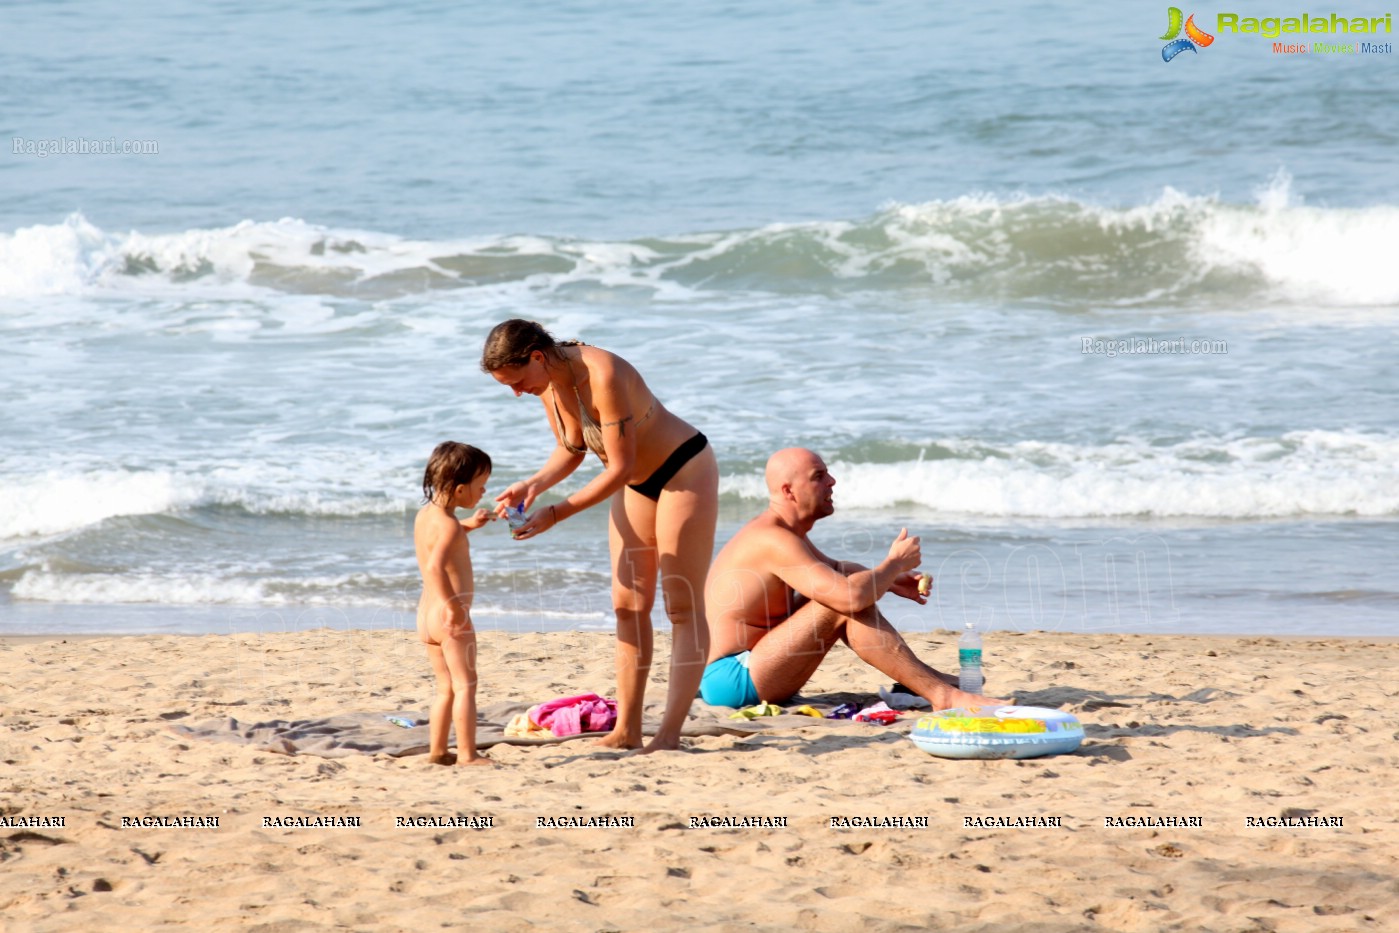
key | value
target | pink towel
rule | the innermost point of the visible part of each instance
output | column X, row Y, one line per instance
column 603, row 716
column 566, row 721
column 568, row 715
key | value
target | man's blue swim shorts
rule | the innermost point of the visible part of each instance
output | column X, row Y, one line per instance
column 726, row 682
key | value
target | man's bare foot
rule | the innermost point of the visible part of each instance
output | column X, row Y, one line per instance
column 446, row 758
column 619, row 739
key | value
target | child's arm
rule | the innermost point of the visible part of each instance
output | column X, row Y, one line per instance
column 478, row 518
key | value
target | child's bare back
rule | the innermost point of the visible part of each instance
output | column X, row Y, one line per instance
column 443, row 549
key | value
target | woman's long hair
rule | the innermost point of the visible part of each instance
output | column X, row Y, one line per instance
column 511, row 342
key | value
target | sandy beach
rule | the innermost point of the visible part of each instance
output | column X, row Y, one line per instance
column 1261, row 761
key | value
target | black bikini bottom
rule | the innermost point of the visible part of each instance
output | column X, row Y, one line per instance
column 651, row 486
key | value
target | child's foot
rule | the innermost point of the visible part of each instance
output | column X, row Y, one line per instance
column 446, row 758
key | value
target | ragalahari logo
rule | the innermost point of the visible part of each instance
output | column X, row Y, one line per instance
column 1193, row 36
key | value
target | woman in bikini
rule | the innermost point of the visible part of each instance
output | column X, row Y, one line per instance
column 662, row 478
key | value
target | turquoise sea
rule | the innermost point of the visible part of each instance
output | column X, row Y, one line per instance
column 1115, row 335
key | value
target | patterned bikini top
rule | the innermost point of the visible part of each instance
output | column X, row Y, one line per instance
column 592, row 431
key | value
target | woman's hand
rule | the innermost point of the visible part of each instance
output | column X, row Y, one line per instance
column 514, row 494
column 537, row 524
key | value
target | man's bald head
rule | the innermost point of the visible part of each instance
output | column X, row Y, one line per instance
column 799, row 485
column 787, row 465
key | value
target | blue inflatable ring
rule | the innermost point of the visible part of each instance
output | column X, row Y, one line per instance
column 997, row 732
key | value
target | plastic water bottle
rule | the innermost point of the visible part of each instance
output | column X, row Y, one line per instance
column 516, row 518
column 969, row 657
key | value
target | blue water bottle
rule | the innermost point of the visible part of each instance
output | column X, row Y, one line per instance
column 516, row 518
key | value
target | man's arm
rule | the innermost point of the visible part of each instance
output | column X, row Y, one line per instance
column 817, row 577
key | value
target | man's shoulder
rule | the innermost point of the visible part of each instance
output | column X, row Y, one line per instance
column 765, row 536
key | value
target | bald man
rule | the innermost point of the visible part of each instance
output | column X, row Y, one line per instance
column 777, row 605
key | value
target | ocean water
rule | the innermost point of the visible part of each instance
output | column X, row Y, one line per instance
column 1114, row 335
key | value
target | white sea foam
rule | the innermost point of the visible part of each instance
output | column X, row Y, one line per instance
column 1303, row 473
column 177, row 588
column 192, row 589
column 1298, row 473
column 136, row 587
column 1327, row 255
column 54, row 502
column 58, row 259
column 554, row 615
column 1047, row 246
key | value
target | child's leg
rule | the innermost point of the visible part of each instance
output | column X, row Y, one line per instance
column 439, row 720
column 459, row 652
